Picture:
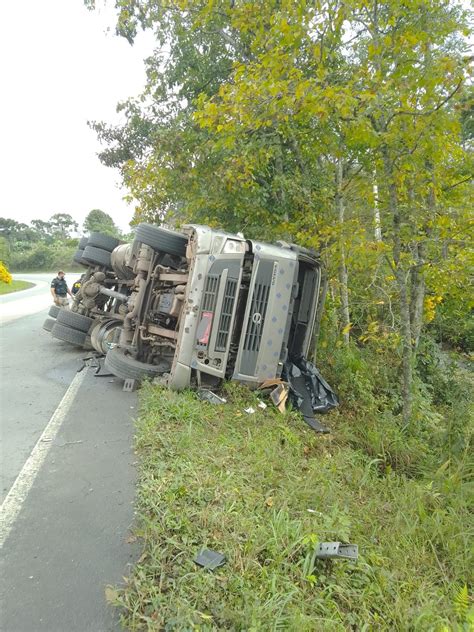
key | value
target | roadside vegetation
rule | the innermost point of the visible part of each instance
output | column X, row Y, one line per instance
column 263, row 490
column 346, row 127
column 48, row 245
column 14, row 286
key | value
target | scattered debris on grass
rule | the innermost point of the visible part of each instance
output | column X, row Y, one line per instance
column 266, row 491
column 209, row 396
column 337, row 550
column 210, row 559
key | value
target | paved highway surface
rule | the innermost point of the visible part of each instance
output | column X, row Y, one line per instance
column 67, row 476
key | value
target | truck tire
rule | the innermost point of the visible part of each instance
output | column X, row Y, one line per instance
column 97, row 256
column 49, row 324
column 82, row 243
column 63, row 332
column 105, row 242
column 162, row 240
column 74, row 320
column 127, row 368
column 79, row 258
column 54, row 311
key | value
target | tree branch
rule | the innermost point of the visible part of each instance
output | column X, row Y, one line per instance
column 429, row 112
column 456, row 184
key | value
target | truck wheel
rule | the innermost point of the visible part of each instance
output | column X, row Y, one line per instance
column 49, row 324
column 79, row 258
column 97, row 256
column 162, row 240
column 105, row 242
column 62, row 332
column 124, row 366
column 74, row 320
column 104, row 335
column 54, row 311
column 82, row 243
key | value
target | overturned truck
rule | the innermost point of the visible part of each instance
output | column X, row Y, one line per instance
column 194, row 307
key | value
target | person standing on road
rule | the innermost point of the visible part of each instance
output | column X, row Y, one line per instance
column 60, row 290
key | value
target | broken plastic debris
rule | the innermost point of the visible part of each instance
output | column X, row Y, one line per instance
column 270, row 383
column 309, row 392
column 249, row 410
column 208, row 396
column 210, row 559
column 261, row 404
column 279, row 396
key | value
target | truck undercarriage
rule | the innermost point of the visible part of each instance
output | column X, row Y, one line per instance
column 193, row 308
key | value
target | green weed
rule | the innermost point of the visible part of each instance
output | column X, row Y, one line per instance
column 263, row 489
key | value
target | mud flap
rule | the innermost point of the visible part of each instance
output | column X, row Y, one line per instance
column 309, row 391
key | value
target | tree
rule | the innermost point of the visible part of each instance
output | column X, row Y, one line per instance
column 44, row 230
column 101, row 222
column 309, row 100
column 62, row 225
column 5, row 250
column 15, row 232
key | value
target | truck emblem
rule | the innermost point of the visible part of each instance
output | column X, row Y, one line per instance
column 257, row 318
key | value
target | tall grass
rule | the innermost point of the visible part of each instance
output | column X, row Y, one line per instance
column 263, row 490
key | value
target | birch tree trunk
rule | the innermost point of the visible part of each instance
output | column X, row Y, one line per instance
column 401, row 279
column 342, row 270
column 377, row 222
column 417, row 296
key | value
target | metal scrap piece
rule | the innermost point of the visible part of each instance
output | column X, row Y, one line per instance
column 209, row 396
column 337, row 550
column 130, row 385
column 210, row 559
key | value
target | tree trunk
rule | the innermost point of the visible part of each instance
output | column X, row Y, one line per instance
column 342, row 270
column 417, row 296
column 377, row 222
column 418, row 284
column 320, row 311
column 280, row 191
column 401, row 278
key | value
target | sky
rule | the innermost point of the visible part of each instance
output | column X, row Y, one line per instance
column 59, row 68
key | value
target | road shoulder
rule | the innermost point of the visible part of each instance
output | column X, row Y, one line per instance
column 70, row 538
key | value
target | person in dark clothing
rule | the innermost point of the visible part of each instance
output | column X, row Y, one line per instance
column 77, row 285
column 60, row 290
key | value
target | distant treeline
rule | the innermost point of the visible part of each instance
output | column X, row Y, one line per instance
column 51, row 244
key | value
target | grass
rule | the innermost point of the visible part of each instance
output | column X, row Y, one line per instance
column 14, row 286
column 263, row 489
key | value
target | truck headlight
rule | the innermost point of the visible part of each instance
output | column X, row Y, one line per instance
column 232, row 246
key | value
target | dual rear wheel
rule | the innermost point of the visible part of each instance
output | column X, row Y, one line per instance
column 67, row 326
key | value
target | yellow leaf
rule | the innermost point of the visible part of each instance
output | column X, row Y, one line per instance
column 347, row 329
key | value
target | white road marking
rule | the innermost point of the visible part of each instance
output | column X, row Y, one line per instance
column 15, row 498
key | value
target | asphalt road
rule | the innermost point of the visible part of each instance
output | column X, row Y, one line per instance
column 30, row 301
column 69, row 495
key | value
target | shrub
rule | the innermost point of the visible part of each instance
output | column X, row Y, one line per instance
column 5, row 275
column 44, row 257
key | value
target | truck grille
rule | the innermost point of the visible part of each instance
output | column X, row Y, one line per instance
column 226, row 315
column 207, row 310
column 210, row 293
column 257, row 317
